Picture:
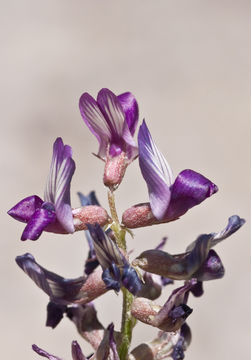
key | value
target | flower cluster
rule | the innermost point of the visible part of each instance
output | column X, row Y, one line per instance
column 113, row 120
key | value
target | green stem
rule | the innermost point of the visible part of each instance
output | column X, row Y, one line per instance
column 128, row 322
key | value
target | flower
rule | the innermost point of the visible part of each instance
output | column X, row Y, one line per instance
column 63, row 291
column 54, row 213
column 169, row 317
column 113, row 120
column 198, row 261
column 168, row 199
column 116, row 269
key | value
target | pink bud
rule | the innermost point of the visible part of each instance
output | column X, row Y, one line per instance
column 114, row 172
column 90, row 214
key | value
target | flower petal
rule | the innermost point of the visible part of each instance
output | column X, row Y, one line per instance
column 189, row 189
column 234, row 224
column 107, row 251
column 111, row 277
column 57, row 189
column 211, row 269
column 112, row 342
column 44, row 353
column 84, row 317
column 41, row 218
column 55, row 313
column 156, row 172
column 59, row 289
column 131, row 110
column 90, row 199
column 24, row 210
column 130, row 280
column 95, row 121
column 112, row 111
column 76, row 351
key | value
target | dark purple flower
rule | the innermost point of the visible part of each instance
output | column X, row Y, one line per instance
column 75, row 348
column 116, row 269
column 197, row 262
column 60, row 290
column 168, row 317
column 54, row 213
column 112, row 119
column 169, row 199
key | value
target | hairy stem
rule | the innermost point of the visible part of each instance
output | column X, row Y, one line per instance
column 127, row 324
column 128, row 321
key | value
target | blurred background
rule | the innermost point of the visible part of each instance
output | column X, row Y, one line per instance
column 189, row 65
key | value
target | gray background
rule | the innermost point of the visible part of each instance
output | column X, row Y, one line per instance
column 189, row 65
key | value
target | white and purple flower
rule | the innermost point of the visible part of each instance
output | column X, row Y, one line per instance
column 169, row 199
column 54, row 213
column 113, row 120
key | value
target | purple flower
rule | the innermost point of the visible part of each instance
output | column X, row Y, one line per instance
column 62, row 291
column 169, row 199
column 113, row 120
column 169, row 317
column 198, row 261
column 116, row 269
column 54, row 213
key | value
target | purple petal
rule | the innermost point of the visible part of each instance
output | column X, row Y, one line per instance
column 174, row 312
column 131, row 110
column 41, row 218
column 76, row 351
column 84, row 317
column 197, row 289
column 234, row 224
column 59, row 289
column 112, row 342
column 95, row 121
column 43, row 353
column 24, row 210
column 90, row 199
column 211, row 269
column 107, row 251
column 112, row 111
column 156, row 172
column 189, row 189
column 55, row 313
column 112, row 277
column 58, row 184
column 130, row 280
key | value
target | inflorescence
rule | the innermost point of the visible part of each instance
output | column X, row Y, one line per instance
column 113, row 120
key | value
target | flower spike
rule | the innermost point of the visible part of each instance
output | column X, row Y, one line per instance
column 168, row 199
column 112, row 119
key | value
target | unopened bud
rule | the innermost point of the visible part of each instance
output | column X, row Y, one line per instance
column 91, row 214
column 114, row 172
